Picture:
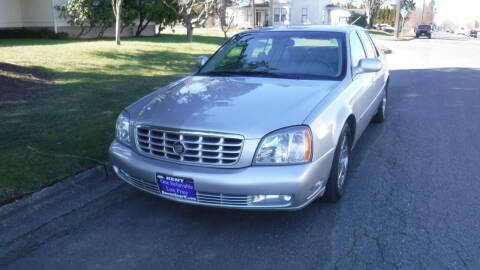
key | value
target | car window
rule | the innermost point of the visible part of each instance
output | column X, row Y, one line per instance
column 281, row 54
column 374, row 46
column 356, row 48
column 427, row 27
column 371, row 52
column 257, row 51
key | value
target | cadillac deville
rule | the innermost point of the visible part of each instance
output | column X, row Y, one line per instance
column 268, row 122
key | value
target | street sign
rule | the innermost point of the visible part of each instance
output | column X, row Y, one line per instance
column 404, row 12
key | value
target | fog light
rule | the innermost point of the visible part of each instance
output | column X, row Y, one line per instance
column 271, row 200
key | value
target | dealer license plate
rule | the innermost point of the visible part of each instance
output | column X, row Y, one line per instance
column 179, row 187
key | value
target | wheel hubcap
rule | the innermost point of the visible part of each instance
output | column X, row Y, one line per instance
column 343, row 163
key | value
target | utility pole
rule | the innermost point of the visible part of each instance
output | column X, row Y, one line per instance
column 253, row 14
column 397, row 18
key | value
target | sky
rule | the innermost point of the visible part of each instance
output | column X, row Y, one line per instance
column 459, row 11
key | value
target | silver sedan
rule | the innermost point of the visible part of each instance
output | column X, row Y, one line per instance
column 268, row 122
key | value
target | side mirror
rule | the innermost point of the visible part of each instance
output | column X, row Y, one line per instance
column 201, row 60
column 367, row 65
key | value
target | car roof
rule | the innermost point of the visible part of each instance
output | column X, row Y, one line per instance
column 313, row 28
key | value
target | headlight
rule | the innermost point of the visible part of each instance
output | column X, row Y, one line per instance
column 286, row 146
column 122, row 129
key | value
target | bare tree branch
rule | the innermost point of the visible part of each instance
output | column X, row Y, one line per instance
column 193, row 13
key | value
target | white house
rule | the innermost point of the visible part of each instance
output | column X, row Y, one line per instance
column 43, row 14
column 287, row 12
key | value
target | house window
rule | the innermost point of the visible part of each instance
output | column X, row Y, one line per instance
column 284, row 14
column 276, row 16
column 304, row 15
column 249, row 16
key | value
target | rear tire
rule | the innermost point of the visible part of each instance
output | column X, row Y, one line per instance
column 339, row 172
column 381, row 114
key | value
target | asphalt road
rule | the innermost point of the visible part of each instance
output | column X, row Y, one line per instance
column 412, row 200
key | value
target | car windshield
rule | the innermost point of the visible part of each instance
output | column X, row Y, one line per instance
column 424, row 27
column 281, row 54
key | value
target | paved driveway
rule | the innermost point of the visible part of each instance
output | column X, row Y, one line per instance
column 411, row 203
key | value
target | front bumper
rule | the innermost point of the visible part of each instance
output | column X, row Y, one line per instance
column 225, row 187
column 421, row 33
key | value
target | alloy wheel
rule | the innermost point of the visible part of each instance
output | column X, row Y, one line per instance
column 343, row 163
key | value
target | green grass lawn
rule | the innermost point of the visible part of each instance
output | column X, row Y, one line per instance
column 89, row 83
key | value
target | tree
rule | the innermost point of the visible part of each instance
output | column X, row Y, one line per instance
column 117, row 11
column 192, row 13
column 371, row 9
column 225, row 20
column 408, row 4
column 357, row 19
column 77, row 13
column 129, row 13
column 103, row 16
column 349, row 4
column 155, row 11
column 422, row 15
column 385, row 15
column 88, row 13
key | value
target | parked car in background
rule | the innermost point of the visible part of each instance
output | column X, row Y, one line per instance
column 269, row 121
column 389, row 29
column 463, row 31
column 423, row 30
column 381, row 26
column 474, row 33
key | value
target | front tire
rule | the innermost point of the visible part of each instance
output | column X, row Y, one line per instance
column 339, row 171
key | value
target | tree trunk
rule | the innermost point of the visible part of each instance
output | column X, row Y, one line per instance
column 189, row 32
column 141, row 27
column 102, row 30
column 118, row 23
column 140, row 24
column 371, row 21
column 82, row 30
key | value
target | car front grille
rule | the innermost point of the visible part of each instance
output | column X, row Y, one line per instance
column 214, row 199
column 223, row 199
column 209, row 149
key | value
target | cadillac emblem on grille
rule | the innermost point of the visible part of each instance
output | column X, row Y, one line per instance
column 178, row 148
column 210, row 149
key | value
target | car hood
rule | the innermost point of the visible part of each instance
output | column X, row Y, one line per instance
column 248, row 106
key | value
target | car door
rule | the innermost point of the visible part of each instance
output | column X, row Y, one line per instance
column 361, row 84
column 378, row 79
